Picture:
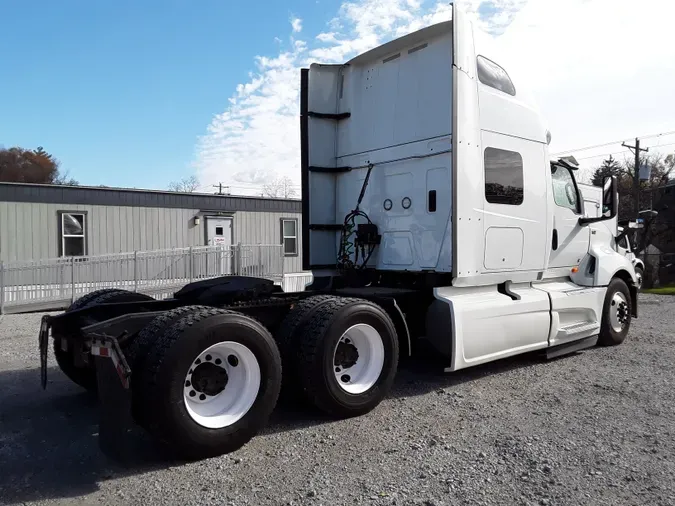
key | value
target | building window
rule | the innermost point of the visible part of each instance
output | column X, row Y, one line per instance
column 492, row 75
column 503, row 177
column 73, row 234
column 289, row 236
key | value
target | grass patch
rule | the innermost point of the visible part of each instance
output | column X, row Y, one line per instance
column 664, row 290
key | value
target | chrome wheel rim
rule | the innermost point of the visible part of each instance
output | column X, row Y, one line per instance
column 619, row 312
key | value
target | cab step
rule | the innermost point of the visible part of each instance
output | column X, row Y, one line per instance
column 579, row 328
column 574, row 346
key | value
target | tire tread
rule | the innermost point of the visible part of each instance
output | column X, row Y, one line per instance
column 607, row 336
column 86, row 376
column 289, row 336
column 148, row 385
column 310, row 348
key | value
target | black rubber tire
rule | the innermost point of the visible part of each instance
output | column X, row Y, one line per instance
column 158, row 387
column 608, row 336
column 288, row 338
column 86, row 376
column 137, row 351
column 315, row 360
column 640, row 274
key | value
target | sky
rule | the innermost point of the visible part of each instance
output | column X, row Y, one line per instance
column 140, row 94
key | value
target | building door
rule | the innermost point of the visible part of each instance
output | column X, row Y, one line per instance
column 220, row 261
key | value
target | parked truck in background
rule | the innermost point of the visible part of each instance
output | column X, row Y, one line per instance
column 592, row 196
column 431, row 209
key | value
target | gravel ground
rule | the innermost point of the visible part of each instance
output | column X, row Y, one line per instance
column 595, row 428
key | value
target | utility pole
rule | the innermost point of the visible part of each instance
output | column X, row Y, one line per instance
column 636, row 176
column 220, row 188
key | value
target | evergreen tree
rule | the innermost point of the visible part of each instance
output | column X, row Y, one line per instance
column 609, row 167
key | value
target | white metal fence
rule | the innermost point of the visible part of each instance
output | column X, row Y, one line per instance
column 55, row 283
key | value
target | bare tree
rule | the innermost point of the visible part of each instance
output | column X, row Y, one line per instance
column 185, row 185
column 281, row 187
column 65, row 179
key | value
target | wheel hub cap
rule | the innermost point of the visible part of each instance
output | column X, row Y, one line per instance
column 346, row 354
column 619, row 314
column 209, row 379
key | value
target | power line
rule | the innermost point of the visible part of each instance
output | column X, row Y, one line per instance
column 586, row 148
column 220, row 189
column 622, row 151
column 254, row 187
column 611, row 143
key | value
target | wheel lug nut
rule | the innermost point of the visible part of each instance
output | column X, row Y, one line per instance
column 233, row 361
column 202, row 397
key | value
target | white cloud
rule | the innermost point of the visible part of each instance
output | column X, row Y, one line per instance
column 296, row 23
column 600, row 70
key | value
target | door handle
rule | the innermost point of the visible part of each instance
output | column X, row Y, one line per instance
column 554, row 244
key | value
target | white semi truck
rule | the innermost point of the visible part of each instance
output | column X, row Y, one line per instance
column 431, row 208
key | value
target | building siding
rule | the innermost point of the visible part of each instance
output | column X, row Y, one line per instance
column 30, row 231
column 265, row 228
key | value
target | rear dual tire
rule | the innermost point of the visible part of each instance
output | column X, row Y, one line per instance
column 343, row 353
column 85, row 376
column 206, row 380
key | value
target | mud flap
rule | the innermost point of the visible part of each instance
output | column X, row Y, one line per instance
column 43, row 340
column 115, row 416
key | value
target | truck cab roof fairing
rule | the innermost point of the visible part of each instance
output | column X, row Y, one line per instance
column 402, row 42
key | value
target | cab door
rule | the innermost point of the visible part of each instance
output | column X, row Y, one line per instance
column 569, row 240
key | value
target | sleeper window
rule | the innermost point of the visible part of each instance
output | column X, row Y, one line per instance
column 492, row 75
column 503, row 177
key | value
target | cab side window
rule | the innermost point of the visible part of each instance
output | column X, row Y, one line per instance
column 565, row 191
column 503, row 177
